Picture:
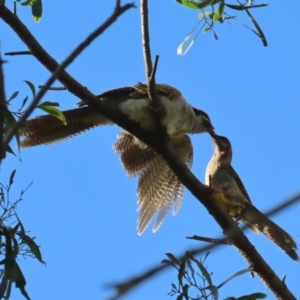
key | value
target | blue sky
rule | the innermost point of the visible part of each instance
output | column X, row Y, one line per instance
column 82, row 207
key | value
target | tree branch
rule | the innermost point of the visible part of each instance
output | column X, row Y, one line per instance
column 3, row 107
column 57, row 70
column 124, row 287
column 202, row 193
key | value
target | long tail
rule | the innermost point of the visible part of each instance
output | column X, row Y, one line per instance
column 254, row 218
column 48, row 129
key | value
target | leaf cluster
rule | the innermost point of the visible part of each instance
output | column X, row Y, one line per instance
column 194, row 278
column 14, row 242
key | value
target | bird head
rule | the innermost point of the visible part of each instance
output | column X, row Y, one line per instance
column 223, row 150
column 204, row 119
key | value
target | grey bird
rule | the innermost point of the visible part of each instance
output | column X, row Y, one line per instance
column 158, row 187
column 233, row 197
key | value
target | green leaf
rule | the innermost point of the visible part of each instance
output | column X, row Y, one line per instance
column 185, row 292
column 55, row 112
column 180, row 47
column 219, row 12
column 34, row 248
column 36, row 10
column 203, row 270
column 9, row 150
column 13, row 96
column 181, row 272
column 260, row 32
column 23, row 103
column 214, row 291
column 20, row 281
column 195, row 5
column 239, row 273
column 14, row 229
column 3, row 285
column 189, row 264
column 11, row 178
column 30, row 84
column 253, row 296
column 56, row 104
column 168, row 262
column 173, row 259
column 10, row 121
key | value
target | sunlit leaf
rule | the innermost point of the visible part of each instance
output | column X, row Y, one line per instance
column 219, row 12
column 36, row 10
column 55, row 112
column 194, row 4
column 180, row 47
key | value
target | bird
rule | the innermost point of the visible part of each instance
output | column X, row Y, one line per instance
column 179, row 118
column 232, row 195
column 158, row 187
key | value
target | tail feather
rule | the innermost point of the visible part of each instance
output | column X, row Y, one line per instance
column 48, row 129
column 254, row 218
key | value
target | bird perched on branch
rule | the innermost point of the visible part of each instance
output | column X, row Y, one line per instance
column 179, row 118
column 232, row 195
column 158, row 187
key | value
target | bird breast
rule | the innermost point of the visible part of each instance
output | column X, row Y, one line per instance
column 179, row 117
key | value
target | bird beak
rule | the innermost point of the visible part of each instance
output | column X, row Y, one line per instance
column 211, row 131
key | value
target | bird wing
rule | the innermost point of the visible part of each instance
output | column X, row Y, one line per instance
column 158, row 187
column 238, row 181
column 48, row 129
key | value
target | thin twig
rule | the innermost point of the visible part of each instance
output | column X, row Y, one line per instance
column 146, row 38
column 209, row 240
column 18, row 53
column 123, row 287
column 3, row 107
column 158, row 110
column 58, row 70
column 53, row 88
column 179, row 169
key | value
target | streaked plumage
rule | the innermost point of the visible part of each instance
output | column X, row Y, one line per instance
column 158, row 187
column 180, row 117
column 231, row 193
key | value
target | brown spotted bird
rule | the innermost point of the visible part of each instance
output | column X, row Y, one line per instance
column 232, row 195
column 158, row 187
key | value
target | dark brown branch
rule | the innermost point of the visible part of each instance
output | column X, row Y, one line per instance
column 158, row 110
column 53, row 88
column 209, row 240
column 146, row 38
column 3, row 108
column 182, row 172
column 124, row 286
column 18, row 53
column 57, row 70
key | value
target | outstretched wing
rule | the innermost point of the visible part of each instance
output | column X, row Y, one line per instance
column 158, row 187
